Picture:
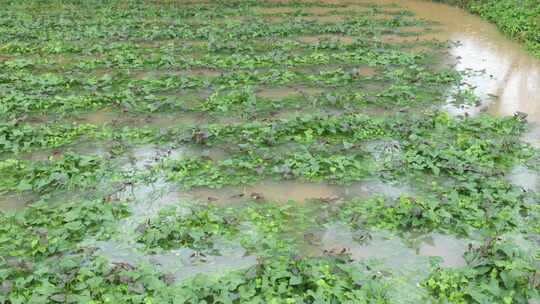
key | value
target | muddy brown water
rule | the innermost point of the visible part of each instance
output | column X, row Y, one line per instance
column 297, row 191
column 268, row 190
column 511, row 79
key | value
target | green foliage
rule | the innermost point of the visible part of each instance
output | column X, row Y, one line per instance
column 465, row 207
column 224, row 103
column 15, row 137
column 403, row 214
column 496, row 272
column 290, row 280
column 196, row 230
column 43, row 231
column 241, row 170
column 69, row 171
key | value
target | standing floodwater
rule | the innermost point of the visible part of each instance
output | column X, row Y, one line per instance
column 510, row 78
column 265, row 152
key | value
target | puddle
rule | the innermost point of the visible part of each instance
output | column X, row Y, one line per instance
column 42, row 155
column 108, row 116
column 148, row 198
column 358, row 72
column 143, row 157
column 180, row 264
column 532, row 136
column 287, row 114
column 267, row 190
column 392, row 249
column 100, row 117
column 404, row 266
column 13, row 202
column 213, row 153
column 154, row 120
column 464, row 110
column 511, row 74
column 183, row 119
column 202, row 72
column 353, row 71
column 300, row 192
column 364, row 71
column 370, row 188
column 275, row 10
column 187, row 99
column 318, row 38
column 293, row 191
column 166, row 120
column 448, row 248
column 148, row 75
column 146, row 201
column 117, row 252
column 284, row 92
column 82, row 148
column 525, row 178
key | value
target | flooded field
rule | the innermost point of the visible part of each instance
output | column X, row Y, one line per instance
column 271, row 152
column 510, row 77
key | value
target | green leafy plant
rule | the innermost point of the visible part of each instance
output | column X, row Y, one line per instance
column 498, row 271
